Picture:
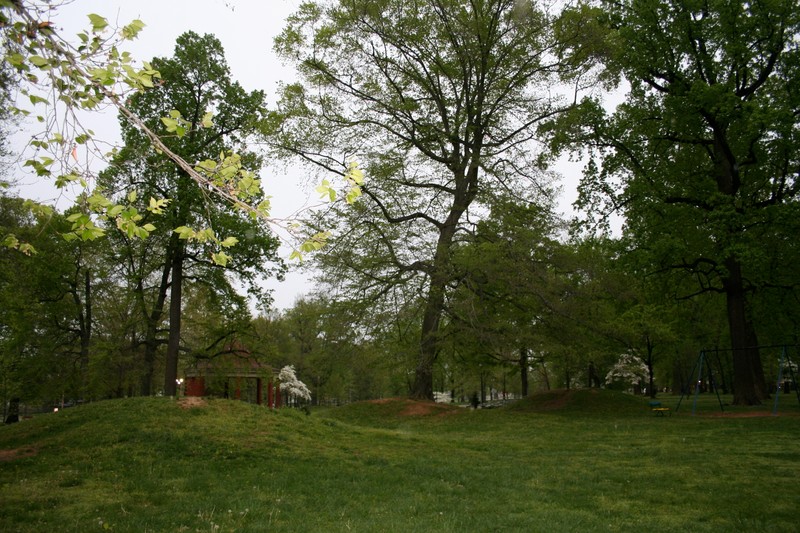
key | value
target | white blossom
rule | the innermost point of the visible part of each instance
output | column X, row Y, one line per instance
column 291, row 385
column 628, row 369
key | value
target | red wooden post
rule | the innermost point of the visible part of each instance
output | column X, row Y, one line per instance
column 195, row 386
column 258, row 391
column 277, row 397
column 270, row 395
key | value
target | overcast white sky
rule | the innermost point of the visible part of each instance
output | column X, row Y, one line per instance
column 246, row 29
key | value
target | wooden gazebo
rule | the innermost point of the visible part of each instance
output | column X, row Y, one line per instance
column 235, row 375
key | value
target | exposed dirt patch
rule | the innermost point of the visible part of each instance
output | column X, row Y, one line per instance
column 418, row 408
column 558, row 400
column 17, row 453
column 190, row 402
column 382, row 401
column 406, row 407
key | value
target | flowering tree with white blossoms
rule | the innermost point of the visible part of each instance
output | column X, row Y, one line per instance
column 629, row 369
column 291, row 386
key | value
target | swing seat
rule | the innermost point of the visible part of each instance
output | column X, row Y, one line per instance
column 656, row 408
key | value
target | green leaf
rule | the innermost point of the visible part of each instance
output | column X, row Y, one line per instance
column 146, row 80
column 131, row 31
column 325, row 189
column 64, row 179
column 38, row 99
column 205, row 235
column 220, row 258
column 354, row 174
column 264, row 207
column 114, row 211
column 229, row 242
column 208, row 165
column 98, row 200
column 91, row 233
column 10, row 241
column 353, row 194
column 98, row 23
column 27, row 249
column 16, row 60
column 157, row 206
column 39, row 61
column 185, row 232
column 170, row 123
column 102, row 75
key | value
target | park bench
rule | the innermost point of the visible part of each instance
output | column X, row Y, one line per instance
column 658, row 409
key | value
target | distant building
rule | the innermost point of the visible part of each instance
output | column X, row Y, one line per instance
column 236, row 375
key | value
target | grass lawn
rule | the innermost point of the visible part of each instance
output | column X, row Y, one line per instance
column 559, row 461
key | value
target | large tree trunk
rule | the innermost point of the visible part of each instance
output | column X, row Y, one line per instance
column 429, row 343
column 174, row 341
column 84, row 306
column 749, row 387
column 146, row 386
column 440, row 276
column 152, row 320
column 748, row 375
column 523, row 371
column 651, row 388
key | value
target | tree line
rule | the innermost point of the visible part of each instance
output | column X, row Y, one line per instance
column 452, row 271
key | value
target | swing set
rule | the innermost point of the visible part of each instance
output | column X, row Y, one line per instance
column 703, row 363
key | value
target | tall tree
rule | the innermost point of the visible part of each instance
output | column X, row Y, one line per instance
column 46, row 305
column 439, row 99
column 196, row 80
column 505, row 302
column 702, row 157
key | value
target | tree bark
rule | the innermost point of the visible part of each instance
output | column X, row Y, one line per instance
column 84, row 306
column 174, row 341
column 152, row 320
column 748, row 389
column 523, row 371
column 428, row 349
column 440, row 275
column 651, row 388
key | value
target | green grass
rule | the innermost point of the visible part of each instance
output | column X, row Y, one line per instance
column 578, row 461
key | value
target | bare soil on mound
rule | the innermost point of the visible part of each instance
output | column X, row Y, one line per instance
column 417, row 407
column 17, row 453
column 560, row 399
column 190, row 402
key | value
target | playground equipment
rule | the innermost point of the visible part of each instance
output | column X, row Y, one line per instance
column 703, row 364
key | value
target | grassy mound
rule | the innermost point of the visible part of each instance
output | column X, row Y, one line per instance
column 394, row 412
column 156, row 464
column 597, row 402
column 152, row 464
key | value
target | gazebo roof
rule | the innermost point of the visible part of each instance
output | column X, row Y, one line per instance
column 237, row 364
